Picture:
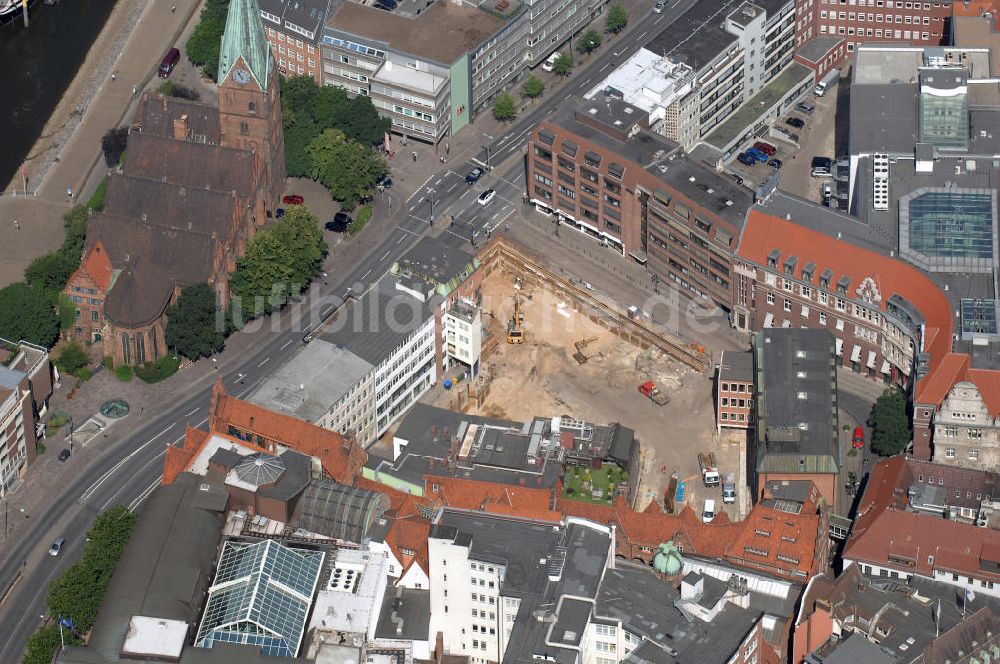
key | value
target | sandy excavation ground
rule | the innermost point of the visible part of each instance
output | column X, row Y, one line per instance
column 542, row 377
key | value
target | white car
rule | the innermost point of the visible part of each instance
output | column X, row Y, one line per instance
column 550, row 61
column 708, row 514
column 57, row 547
column 487, row 196
column 659, row 7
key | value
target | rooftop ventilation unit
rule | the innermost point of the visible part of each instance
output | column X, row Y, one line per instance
column 880, row 182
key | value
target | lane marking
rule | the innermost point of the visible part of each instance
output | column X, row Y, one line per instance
column 191, row 413
column 145, row 494
column 643, row 35
column 103, row 478
column 383, row 257
column 405, row 230
column 264, row 362
column 285, row 345
column 327, row 310
column 400, row 239
column 606, row 65
column 365, row 275
column 439, row 181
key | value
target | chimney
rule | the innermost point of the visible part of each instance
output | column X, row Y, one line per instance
column 181, row 128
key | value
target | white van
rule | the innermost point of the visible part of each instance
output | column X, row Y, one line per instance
column 709, row 512
column 550, row 61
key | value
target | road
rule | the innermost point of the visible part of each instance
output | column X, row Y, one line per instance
column 131, row 467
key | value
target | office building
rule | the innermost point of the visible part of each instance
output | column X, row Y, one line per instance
column 734, row 390
column 294, row 30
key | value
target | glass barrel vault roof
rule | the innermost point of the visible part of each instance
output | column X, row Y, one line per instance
column 261, row 596
column 952, row 224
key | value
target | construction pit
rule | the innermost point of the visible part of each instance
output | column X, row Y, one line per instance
column 569, row 364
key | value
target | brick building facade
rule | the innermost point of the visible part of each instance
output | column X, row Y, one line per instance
column 863, row 21
column 294, row 30
column 734, row 390
column 600, row 171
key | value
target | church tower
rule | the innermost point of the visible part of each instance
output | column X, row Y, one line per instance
column 249, row 102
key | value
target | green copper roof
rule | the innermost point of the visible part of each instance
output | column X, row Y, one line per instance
column 245, row 36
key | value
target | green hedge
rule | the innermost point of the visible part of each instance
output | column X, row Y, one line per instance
column 124, row 373
column 79, row 592
column 154, row 372
column 362, row 218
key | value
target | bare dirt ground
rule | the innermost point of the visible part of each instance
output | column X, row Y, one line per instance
column 542, row 377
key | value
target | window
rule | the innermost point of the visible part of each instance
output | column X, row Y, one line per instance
column 822, row 318
column 949, row 453
column 787, row 304
column 973, row 455
column 770, row 298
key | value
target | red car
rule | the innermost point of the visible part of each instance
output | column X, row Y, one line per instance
column 858, row 439
column 293, row 199
column 766, row 148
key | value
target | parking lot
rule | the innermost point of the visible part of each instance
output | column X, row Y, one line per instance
column 815, row 138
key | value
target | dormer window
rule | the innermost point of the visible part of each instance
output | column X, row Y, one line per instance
column 824, row 279
column 843, row 283
column 807, row 272
column 790, row 264
column 772, row 258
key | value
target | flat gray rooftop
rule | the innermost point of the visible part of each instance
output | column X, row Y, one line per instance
column 379, row 322
column 312, row 381
column 874, row 233
column 667, row 162
column 697, row 37
column 411, row 607
column 798, row 425
column 816, row 48
column 736, row 365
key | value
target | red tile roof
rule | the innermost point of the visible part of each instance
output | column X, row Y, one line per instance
column 763, row 233
column 97, row 265
column 342, row 459
column 178, row 459
column 883, row 527
column 526, row 502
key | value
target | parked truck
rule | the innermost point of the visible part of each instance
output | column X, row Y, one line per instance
column 650, row 390
column 709, row 470
column 729, row 488
column 826, row 82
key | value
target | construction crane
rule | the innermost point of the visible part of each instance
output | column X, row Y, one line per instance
column 515, row 326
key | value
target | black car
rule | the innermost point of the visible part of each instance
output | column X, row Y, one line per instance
column 746, row 159
column 775, row 163
column 339, row 224
column 474, row 176
column 64, row 455
column 385, row 183
column 739, row 180
column 798, row 123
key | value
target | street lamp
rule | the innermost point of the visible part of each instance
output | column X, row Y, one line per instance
column 487, row 148
column 431, row 201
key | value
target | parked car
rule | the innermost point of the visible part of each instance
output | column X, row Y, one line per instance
column 279, row 213
column 64, row 454
column 547, row 66
column 798, row 123
column 473, row 177
column 386, row 182
column 766, row 148
column 293, row 199
column 858, row 439
column 805, row 107
column 756, row 154
column 659, row 7
column 168, row 63
column 735, row 176
column 57, row 547
column 821, row 167
column 340, row 222
column 775, row 163
column 745, row 159
column 708, row 514
column 487, row 196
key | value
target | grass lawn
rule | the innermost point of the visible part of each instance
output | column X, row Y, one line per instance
column 575, row 483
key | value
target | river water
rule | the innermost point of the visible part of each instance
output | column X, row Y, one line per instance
column 37, row 64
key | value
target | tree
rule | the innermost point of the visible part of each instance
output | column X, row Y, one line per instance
column 298, row 163
column 563, row 64
column 532, row 87
column 504, row 107
column 50, row 271
column 113, row 144
column 27, row 312
column 195, row 326
column 72, row 358
column 617, row 18
column 890, row 423
column 43, row 644
column 279, row 262
column 347, row 168
column 171, row 89
column 203, row 45
column 589, row 42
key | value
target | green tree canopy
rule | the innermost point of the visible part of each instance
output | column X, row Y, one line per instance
column 504, row 107
column 532, row 87
column 589, row 42
column 203, row 45
column 279, row 262
column 890, row 423
column 347, row 168
column 195, row 325
column 50, row 271
column 563, row 64
column 617, row 18
column 72, row 358
column 28, row 313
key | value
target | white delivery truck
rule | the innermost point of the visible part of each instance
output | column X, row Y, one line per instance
column 827, row 82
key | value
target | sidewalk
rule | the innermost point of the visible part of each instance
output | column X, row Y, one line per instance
column 141, row 32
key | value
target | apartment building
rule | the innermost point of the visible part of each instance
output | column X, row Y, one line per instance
column 602, row 172
column 950, row 520
column 862, row 21
column 734, row 390
column 376, row 355
column 966, row 428
column 429, row 84
column 694, row 74
column 294, row 30
column 25, row 386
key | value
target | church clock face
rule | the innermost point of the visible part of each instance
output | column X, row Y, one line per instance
column 241, row 76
